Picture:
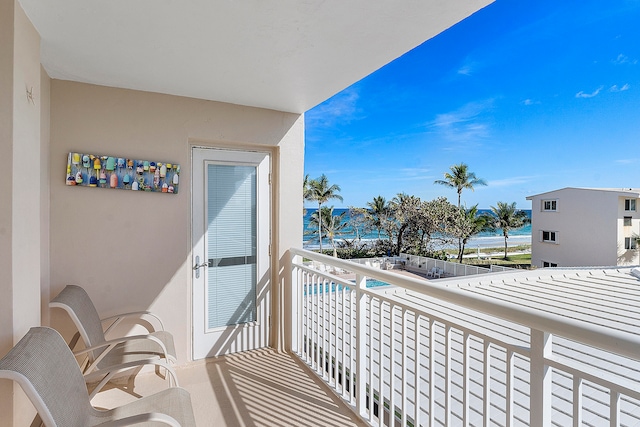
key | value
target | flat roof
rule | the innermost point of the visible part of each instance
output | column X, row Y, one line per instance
column 609, row 297
column 622, row 191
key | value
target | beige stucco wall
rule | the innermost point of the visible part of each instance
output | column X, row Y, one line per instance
column 23, row 191
column 131, row 250
column 45, row 206
column 587, row 224
column 6, row 205
column 6, row 184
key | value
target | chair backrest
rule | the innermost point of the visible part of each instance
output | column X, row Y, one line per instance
column 76, row 302
column 47, row 371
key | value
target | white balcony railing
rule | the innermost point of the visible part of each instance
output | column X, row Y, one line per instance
column 425, row 354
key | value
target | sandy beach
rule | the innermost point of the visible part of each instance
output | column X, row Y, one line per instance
column 498, row 241
column 474, row 243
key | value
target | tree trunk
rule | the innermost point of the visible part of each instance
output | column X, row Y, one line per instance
column 400, row 232
column 320, row 225
column 505, row 245
column 461, row 249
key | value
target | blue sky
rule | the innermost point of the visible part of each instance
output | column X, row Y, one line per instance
column 532, row 95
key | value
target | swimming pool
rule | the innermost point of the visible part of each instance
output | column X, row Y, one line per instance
column 374, row 283
column 331, row 287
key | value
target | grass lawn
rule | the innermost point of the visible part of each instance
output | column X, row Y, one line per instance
column 495, row 256
column 514, row 261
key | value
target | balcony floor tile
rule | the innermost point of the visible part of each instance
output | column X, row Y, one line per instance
column 256, row 388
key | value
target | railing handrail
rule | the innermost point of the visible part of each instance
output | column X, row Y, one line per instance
column 615, row 341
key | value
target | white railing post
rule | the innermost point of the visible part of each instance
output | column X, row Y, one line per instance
column 361, row 348
column 541, row 376
column 296, row 304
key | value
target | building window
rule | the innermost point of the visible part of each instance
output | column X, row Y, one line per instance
column 549, row 205
column 630, row 243
column 629, row 204
column 627, row 221
column 549, row 264
column 549, row 236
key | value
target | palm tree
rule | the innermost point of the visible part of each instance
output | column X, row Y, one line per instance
column 467, row 225
column 306, row 191
column 378, row 210
column 333, row 225
column 507, row 217
column 320, row 191
column 460, row 178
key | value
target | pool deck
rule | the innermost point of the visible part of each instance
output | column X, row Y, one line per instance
column 399, row 271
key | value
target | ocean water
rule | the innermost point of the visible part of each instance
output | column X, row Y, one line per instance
column 517, row 236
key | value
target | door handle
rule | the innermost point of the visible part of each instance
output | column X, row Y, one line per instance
column 196, row 267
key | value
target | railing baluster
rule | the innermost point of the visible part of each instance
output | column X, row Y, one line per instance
column 381, row 366
column 304, row 320
column 486, row 416
column 447, row 375
column 356, row 337
column 371, row 360
column 404, row 408
column 312, row 321
column 332, row 344
column 509, row 385
column 326, row 301
column 614, row 408
column 361, row 346
column 418, row 344
column 392, row 362
column 309, row 302
column 577, row 401
column 346, row 315
column 318, row 342
column 432, row 372
column 325, row 349
column 465, row 379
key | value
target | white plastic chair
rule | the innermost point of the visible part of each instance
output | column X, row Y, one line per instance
column 44, row 366
column 108, row 357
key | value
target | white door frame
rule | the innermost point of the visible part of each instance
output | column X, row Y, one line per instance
column 245, row 336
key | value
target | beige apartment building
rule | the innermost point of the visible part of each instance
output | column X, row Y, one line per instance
column 574, row 227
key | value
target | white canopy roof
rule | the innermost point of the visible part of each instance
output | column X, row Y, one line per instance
column 283, row 55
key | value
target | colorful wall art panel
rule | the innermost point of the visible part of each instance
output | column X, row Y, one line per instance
column 89, row 170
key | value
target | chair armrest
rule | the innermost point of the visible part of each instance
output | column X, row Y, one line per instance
column 142, row 418
column 113, row 370
column 120, row 317
column 111, row 344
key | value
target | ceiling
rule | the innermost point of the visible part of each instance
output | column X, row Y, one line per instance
column 287, row 55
